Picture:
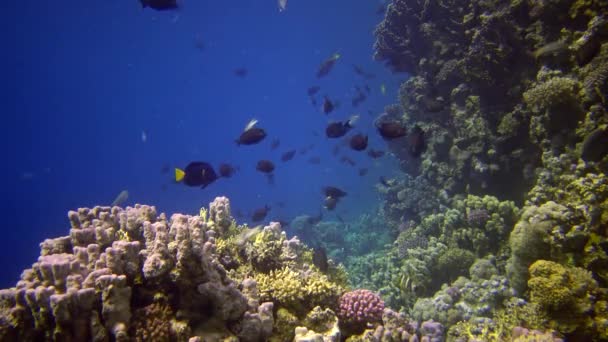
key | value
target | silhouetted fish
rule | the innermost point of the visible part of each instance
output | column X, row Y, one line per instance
column 159, row 5
column 274, row 144
column 328, row 106
column 328, row 64
column 196, row 174
column 391, row 129
column 359, row 71
column 241, row 72
column 287, row 156
column 265, row 166
column 226, row 170
column 358, row 142
column 313, row 90
column 339, row 129
column 333, row 191
column 416, row 141
column 319, row 259
column 260, row 214
column 330, row 203
column 595, row 146
column 251, row 136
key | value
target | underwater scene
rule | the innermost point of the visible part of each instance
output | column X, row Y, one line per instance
column 319, row 170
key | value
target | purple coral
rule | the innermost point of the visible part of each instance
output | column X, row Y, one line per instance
column 360, row 307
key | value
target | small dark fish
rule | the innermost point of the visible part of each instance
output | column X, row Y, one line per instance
column 362, row 172
column 384, row 182
column 159, row 5
column 375, row 153
column 368, row 90
column 595, row 146
column 326, row 66
column 260, row 214
column 287, row 156
column 328, row 106
column 358, row 142
column 196, row 174
column 332, row 191
column 417, row 145
column 391, row 129
column 226, row 170
column 314, row 160
column 319, row 259
column 274, row 144
column 330, row 203
column 347, row 160
column 265, row 166
column 339, row 129
column 251, row 136
column 241, row 72
column 313, row 90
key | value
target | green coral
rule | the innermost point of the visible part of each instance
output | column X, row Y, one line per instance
column 452, row 263
column 553, row 92
column 530, row 239
column 569, row 296
column 298, row 292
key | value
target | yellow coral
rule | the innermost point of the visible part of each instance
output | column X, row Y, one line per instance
column 283, row 286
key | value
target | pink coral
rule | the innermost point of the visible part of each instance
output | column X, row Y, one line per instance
column 360, row 307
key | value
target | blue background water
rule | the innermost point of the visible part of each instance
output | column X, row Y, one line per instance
column 84, row 79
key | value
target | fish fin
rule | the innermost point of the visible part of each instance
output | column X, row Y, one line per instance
column 250, row 124
column 179, row 174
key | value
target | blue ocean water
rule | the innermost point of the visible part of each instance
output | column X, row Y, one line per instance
column 85, row 81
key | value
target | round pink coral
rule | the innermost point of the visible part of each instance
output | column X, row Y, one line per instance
column 361, row 307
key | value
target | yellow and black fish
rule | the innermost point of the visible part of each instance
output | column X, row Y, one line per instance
column 196, row 174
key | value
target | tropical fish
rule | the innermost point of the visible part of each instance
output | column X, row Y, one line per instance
column 358, row 142
column 359, row 71
column 121, row 198
column 328, row 64
column 328, row 106
column 274, row 144
column 416, row 141
column 595, row 145
column 196, row 174
column 391, row 129
column 260, row 214
column 333, row 191
column 251, row 135
column 339, row 129
column 287, row 156
column 159, row 5
column 226, row 170
column 282, row 5
column 313, row 90
column 265, row 166
column 383, row 89
column 241, row 72
column 330, row 203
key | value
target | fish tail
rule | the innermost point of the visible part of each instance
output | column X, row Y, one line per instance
column 179, row 175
